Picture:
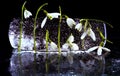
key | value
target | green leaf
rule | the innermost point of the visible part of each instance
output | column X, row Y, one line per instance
column 109, row 41
column 102, row 36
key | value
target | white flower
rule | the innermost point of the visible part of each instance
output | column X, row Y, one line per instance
column 65, row 46
column 71, row 39
column 99, row 49
column 70, row 22
column 79, row 27
column 70, row 44
column 74, row 46
column 90, row 33
column 53, row 46
column 27, row 14
column 51, row 16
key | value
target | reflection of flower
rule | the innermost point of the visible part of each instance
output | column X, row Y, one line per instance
column 70, row 22
column 50, row 16
column 88, row 65
column 70, row 57
column 27, row 14
column 99, row 49
column 79, row 27
column 90, row 33
column 70, row 44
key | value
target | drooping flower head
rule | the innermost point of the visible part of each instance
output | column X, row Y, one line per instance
column 50, row 16
column 99, row 49
column 27, row 14
column 70, row 22
column 90, row 33
column 79, row 27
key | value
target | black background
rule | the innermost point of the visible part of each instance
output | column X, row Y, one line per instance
column 104, row 10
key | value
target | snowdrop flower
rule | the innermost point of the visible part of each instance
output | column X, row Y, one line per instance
column 70, row 44
column 70, row 39
column 51, row 16
column 90, row 33
column 27, row 14
column 53, row 46
column 99, row 49
column 70, row 22
column 79, row 27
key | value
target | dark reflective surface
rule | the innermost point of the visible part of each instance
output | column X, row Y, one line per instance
column 27, row 68
column 28, row 63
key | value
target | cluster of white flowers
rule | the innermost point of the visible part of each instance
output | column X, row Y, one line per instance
column 70, row 45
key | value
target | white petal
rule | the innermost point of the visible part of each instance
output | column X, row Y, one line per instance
column 74, row 47
column 54, row 15
column 79, row 27
column 83, row 35
column 92, row 35
column 99, row 51
column 71, row 38
column 106, row 49
column 27, row 14
column 43, row 22
column 92, row 49
column 53, row 46
column 70, row 22
column 65, row 46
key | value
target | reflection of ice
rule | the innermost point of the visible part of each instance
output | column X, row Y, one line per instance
column 29, row 63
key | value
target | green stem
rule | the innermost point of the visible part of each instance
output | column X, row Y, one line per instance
column 59, row 31
column 83, row 45
column 65, row 16
column 47, row 38
column 59, row 50
column 101, row 43
column 35, row 24
column 19, row 45
column 47, row 14
column 86, row 24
